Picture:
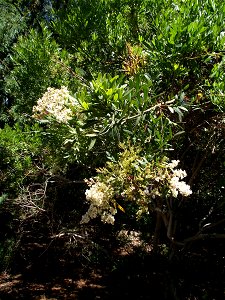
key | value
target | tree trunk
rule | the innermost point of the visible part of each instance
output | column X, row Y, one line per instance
column 158, row 226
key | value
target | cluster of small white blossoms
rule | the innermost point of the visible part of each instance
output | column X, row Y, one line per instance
column 99, row 195
column 56, row 103
column 176, row 185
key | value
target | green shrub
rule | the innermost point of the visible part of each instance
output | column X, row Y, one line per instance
column 20, row 156
column 38, row 62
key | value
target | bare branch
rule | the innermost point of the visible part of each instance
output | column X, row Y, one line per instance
column 203, row 236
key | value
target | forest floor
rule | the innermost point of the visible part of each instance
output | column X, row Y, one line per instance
column 70, row 265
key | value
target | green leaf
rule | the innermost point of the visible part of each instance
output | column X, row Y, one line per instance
column 93, row 141
column 183, row 108
column 179, row 112
column 3, row 198
column 171, row 109
column 91, row 134
column 115, row 97
column 179, row 133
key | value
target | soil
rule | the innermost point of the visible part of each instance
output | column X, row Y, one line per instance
column 70, row 265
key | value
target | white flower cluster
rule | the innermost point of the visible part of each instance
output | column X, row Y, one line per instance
column 175, row 184
column 99, row 195
column 161, row 182
column 56, row 103
column 173, row 164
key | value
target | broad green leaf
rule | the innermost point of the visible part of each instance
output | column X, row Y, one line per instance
column 93, row 141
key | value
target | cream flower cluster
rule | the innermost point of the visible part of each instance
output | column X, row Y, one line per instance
column 175, row 184
column 99, row 195
column 144, row 189
column 56, row 103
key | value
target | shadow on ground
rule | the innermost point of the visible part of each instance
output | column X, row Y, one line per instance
column 108, row 271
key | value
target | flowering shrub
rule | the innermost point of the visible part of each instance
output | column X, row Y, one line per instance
column 133, row 178
column 56, row 103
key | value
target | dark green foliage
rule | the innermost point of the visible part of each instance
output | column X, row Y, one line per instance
column 9, row 14
column 19, row 156
column 96, row 32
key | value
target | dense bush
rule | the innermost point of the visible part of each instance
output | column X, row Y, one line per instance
column 147, row 74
